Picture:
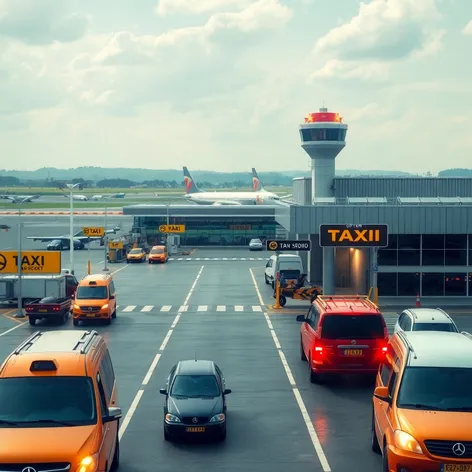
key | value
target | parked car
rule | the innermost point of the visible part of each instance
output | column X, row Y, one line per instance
column 255, row 245
column 425, row 319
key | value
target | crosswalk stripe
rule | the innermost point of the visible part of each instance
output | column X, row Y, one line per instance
column 257, row 308
column 238, row 308
column 221, row 308
column 183, row 308
column 129, row 308
column 166, row 308
column 147, row 308
column 202, row 308
column 194, row 308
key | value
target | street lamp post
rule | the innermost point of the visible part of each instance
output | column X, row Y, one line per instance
column 19, row 312
column 71, row 188
column 105, row 239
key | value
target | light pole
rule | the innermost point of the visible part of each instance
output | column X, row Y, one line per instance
column 71, row 188
column 19, row 312
column 105, row 239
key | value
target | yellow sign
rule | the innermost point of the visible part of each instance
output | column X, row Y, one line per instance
column 172, row 229
column 273, row 245
column 93, row 231
column 115, row 244
column 32, row 262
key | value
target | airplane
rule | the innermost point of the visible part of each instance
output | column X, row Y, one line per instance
column 196, row 195
column 76, row 197
column 20, row 198
column 258, row 187
column 79, row 236
column 113, row 195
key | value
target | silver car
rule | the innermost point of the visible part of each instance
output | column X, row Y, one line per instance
column 425, row 319
column 255, row 245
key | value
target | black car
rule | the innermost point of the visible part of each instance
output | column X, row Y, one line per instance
column 195, row 400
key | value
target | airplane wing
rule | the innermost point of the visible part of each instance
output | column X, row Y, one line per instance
column 226, row 202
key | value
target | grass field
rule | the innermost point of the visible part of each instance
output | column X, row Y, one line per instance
column 119, row 203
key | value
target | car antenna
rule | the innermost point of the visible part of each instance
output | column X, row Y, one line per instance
column 195, row 355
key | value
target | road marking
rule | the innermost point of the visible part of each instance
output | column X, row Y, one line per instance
column 221, row 308
column 134, row 405
column 202, row 308
column 166, row 308
column 256, row 308
column 256, row 287
column 117, row 270
column 7, row 315
column 183, row 308
column 12, row 329
column 148, row 308
column 238, row 308
column 129, row 308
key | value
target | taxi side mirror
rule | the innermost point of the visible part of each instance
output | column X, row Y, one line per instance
column 382, row 394
column 112, row 297
column 163, row 391
column 227, row 391
column 301, row 318
column 114, row 414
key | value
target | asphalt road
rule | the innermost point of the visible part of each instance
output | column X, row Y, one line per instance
column 207, row 307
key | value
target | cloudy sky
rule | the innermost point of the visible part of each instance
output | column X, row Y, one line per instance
column 224, row 84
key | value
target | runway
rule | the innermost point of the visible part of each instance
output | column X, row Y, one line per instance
column 215, row 305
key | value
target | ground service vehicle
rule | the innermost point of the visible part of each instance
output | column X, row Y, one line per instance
column 342, row 334
column 136, row 255
column 158, row 254
column 50, row 308
column 422, row 404
column 58, row 393
column 289, row 264
column 35, row 287
column 95, row 299
column 297, row 290
column 195, row 401
column 425, row 319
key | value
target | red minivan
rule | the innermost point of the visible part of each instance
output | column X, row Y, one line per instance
column 342, row 335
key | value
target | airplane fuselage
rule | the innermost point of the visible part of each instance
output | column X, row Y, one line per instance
column 234, row 198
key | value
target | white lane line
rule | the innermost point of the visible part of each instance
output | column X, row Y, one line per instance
column 238, row 308
column 202, row 308
column 134, row 405
column 183, row 308
column 12, row 329
column 166, row 308
column 117, row 270
column 276, row 340
column 147, row 308
column 221, row 308
column 129, row 308
column 256, row 287
column 256, row 308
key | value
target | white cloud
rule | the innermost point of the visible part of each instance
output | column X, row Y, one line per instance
column 468, row 29
column 347, row 71
column 166, row 7
column 41, row 21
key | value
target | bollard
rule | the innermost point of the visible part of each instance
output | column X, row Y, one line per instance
column 88, row 267
column 376, row 296
column 277, row 295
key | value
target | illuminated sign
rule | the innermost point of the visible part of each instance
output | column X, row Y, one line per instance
column 353, row 235
column 93, row 231
column 115, row 244
column 284, row 245
column 32, row 262
column 172, row 229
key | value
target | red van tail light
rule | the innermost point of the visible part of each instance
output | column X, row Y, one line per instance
column 384, row 349
column 318, row 349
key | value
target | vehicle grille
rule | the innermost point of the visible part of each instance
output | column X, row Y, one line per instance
column 38, row 467
column 445, row 448
column 188, row 419
column 90, row 309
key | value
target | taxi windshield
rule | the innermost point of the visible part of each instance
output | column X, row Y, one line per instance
column 91, row 293
column 436, row 388
column 135, row 251
column 47, row 402
column 159, row 250
column 195, row 386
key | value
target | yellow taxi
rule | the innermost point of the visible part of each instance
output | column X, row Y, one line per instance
column 138, row 254
column 158, row 254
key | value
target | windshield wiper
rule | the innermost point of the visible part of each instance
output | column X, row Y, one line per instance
column 421, row 406
column 203, row 396
column 10, row 423
column 460, row 408
column 61, row 423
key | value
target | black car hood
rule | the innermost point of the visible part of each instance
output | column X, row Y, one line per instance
column 195, row 406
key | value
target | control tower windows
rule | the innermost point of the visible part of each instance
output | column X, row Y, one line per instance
column 324, row 134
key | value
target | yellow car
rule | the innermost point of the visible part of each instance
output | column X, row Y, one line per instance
column 137, row 254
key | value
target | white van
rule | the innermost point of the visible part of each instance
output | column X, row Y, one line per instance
column 290, row 263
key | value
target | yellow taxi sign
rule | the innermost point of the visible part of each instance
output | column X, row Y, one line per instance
column 32, row 262
column 115, row 244
column 97, row 231
column 172, row 229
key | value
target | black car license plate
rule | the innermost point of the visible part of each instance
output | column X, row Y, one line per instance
column 199, row 429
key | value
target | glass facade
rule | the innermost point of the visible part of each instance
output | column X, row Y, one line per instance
column 324, row 134
column 439, row 259
column 209, row 231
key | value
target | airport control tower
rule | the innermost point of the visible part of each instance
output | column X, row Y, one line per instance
column 323, row 137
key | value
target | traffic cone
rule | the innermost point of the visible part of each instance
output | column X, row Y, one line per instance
column 418, row 301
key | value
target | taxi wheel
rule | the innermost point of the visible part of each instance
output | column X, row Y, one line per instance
column 374, row 440
column 108, row 321
column 113, row 315
column 385, row 466
column 302, row 352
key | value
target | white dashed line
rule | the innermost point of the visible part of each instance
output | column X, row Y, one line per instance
column 183, row 308
column 166, row 308
column 202, row 308
column 147, row 308
column 256, row 287
column 129, row 308
column 221, row 308
column 256, row 308
column 238, row 308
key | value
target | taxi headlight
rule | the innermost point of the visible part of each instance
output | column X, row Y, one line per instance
column 406, row 442
column 76, row 307
column 104, row 307
column 172, row 418
column 218, row 418
column 88, row 464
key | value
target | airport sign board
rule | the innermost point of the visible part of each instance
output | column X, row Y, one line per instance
column 288, row 245
column 32, row 262
column 354, row 235
column 115, row 244
column 94, row 231
column 172, row 229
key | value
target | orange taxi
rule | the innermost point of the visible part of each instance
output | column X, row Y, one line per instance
column 138, row 254
column 158, row 254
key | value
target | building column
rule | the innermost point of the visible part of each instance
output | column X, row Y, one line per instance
column 329, row 282
column 315, row 262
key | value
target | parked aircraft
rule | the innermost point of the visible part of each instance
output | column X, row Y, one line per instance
column 258, row 187
column 20, row 198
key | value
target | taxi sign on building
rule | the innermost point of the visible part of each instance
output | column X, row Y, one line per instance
column 32, row 262
column 354, row 235
column 97, row 231
column 115, row 244
column 172, row 229
column 286, row 245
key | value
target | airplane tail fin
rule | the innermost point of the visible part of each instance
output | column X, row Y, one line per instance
column 256, row 182
column 190, row 185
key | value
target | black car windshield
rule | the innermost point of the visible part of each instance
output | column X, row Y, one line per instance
column 91, row 293
column 344, row 326
column 41, row 401
column 157, row 251
column 435, row 327
column 436, row 388
column 195, row 386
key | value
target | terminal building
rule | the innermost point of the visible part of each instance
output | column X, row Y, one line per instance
column 425, row 248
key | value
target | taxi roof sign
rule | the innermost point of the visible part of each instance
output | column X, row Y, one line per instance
column 32, row 262
column 172, row 228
